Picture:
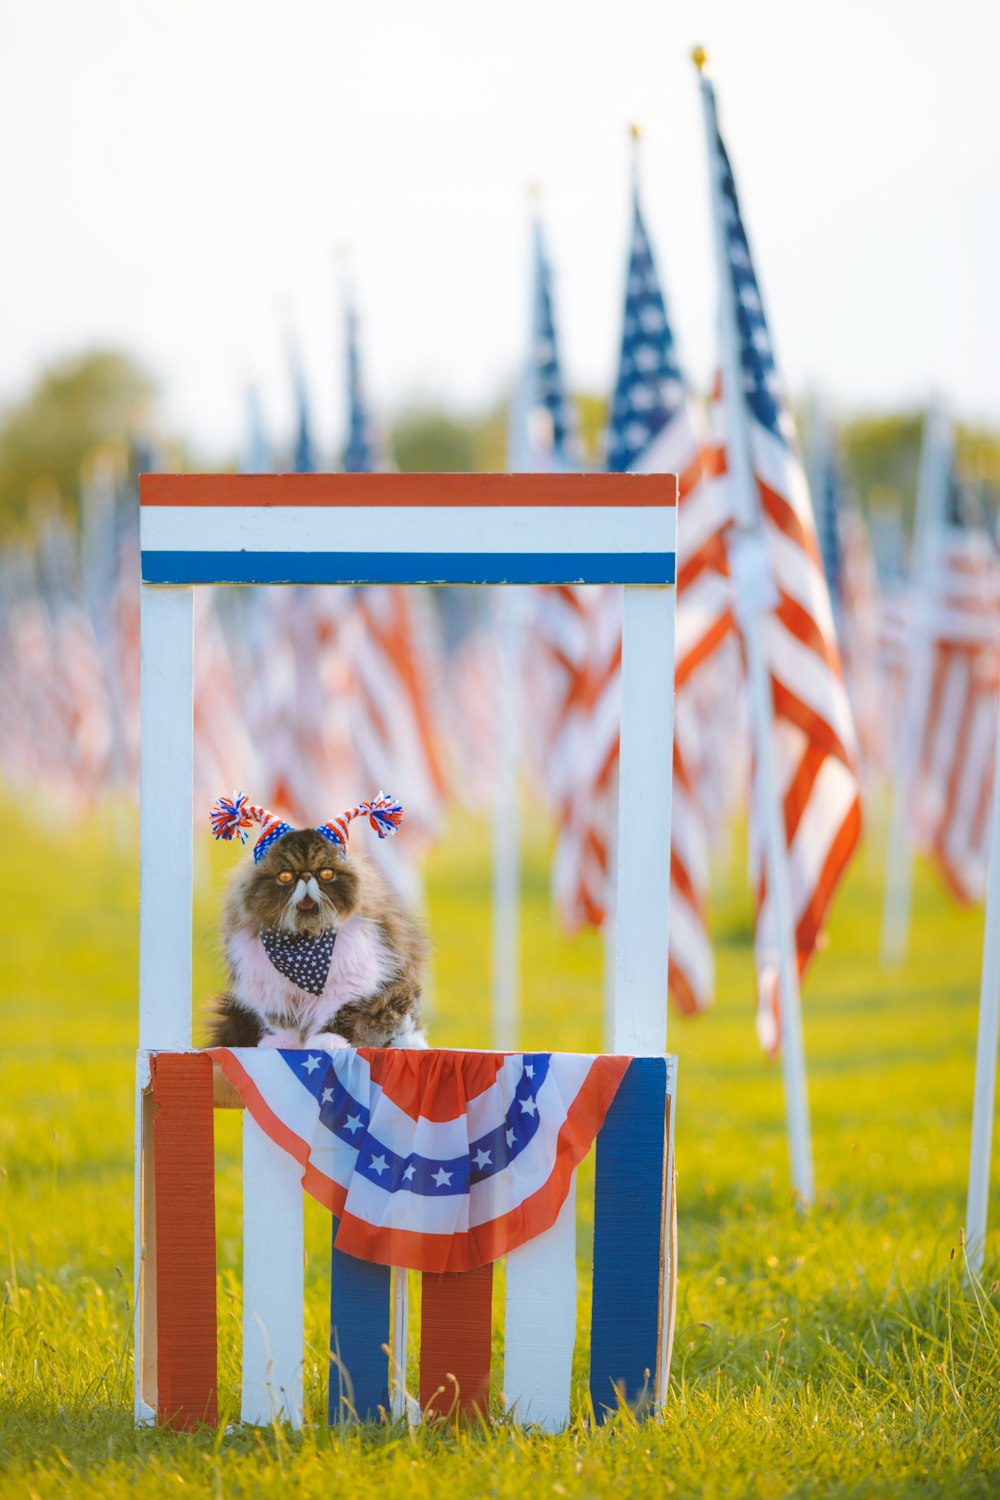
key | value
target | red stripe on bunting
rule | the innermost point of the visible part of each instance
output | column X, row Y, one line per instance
column 404, row 1075
column 456, row 1320
column 184, row 1164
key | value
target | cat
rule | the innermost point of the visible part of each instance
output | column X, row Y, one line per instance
column 303, row 906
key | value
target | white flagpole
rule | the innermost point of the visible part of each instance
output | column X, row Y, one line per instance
column 755, row 595
column 976, row 1213
column 932, row 489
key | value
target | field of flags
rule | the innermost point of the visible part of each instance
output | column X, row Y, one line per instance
column 812, row 678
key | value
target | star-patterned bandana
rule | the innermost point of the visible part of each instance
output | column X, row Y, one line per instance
column 303, row 960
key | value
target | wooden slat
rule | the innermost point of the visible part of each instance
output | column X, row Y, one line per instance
column 455, row 1328
column 165, row 860
column 540, row 1327
column 360, row 1315
column 408, row 489
column 184, row 1158
column 399, row 1345
column 273, row 1280
column 144, row 1281
column 629, row 1199
column 645, row 787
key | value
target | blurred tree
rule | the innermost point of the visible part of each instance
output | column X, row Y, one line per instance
column 882, row 457
column 74, row 407
column 432, row 441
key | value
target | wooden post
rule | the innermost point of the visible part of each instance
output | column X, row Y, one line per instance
column 165, row 796
column 642, row 905
column 984, row 1097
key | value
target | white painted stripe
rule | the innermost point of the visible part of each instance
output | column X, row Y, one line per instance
column 409, row 529
column 273, row 1330
column 165, row 781
column 540, row 1326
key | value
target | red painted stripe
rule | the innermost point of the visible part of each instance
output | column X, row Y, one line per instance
column 654, row 490
column 456, row 1320
column 184, row 1164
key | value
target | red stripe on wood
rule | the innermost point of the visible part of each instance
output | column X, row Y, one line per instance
column 456, row 1322
column 408, row 489
column 184, row 1162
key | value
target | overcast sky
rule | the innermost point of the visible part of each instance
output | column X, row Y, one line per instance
column 177, row 175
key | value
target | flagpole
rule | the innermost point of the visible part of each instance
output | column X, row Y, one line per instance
column 984, row 1096
column 754, row 591
column 932, row 487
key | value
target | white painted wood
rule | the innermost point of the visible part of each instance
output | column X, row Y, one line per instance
column 508, row 604
column 448, row 529
column 977, row 1209
column 144, row 1254
column 273, row 1280
column 398, row 1404
column 932, row 493
column 754, row 596
column 540, row 1325
column 645, row 784
column 165, row 820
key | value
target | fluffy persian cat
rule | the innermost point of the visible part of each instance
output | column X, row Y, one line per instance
column 321, row 953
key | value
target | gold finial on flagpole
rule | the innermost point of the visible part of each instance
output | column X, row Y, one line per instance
column 635, row 131
column 700, row 59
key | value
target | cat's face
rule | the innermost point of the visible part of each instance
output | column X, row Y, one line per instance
column 302, row 885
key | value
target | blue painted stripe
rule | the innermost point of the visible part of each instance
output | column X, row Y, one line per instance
column 359, row 1332
column 408, row 567
column 628, row 1240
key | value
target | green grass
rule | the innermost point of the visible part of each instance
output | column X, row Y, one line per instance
column 838, row 1354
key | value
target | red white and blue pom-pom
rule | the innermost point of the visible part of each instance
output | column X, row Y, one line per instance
column 232, row 816
column 384, row 815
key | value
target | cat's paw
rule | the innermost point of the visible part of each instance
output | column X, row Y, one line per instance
column 325, row 1041
column 410, row 1035
column 287, row 1038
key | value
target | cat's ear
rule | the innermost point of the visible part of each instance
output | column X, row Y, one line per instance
column 232, row 816
column 384, row 815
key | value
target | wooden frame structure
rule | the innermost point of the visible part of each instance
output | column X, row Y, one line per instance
column 400, row 529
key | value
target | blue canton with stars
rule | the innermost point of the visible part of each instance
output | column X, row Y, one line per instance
column 761, row 384
column 348, row 1119
column 359, row 453
column 650, row 390
column 548, row 389
column 829, row 500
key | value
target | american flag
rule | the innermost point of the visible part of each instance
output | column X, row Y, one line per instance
column 392, row 653
column 953, row 785
column 855, row 595
column 812, row 733
column 655, row 429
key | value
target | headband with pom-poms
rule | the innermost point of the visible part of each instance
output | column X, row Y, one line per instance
column 232, row 816
column 384, row 815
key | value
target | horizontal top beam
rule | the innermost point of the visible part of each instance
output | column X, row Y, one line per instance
column 611, row 490
column 409, row 528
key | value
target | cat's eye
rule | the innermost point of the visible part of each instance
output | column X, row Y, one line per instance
column 326, row 874
column 286, row 877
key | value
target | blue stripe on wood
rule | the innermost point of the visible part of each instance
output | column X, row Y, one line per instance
column 628, row 1239
column 359, row 1334
column 408, row 567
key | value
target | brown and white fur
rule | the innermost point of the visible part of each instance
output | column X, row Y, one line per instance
column 372, row 993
